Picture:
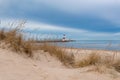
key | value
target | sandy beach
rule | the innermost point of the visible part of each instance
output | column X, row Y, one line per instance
column 46, row 67
column 59, row 39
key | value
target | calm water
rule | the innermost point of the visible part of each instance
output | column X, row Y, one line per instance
column 93, row 44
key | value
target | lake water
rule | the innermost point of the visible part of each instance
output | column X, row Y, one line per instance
column 93, row 44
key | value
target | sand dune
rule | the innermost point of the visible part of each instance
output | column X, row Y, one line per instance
column 45, row 67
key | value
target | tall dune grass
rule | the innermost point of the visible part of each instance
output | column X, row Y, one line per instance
column 92, row 59
column 59, row 53
column 116, row 65
column 14, row 38
column 99, row 61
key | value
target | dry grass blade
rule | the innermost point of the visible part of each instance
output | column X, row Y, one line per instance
column 2, row 34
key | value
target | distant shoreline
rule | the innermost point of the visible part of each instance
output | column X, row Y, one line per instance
column 55, row 41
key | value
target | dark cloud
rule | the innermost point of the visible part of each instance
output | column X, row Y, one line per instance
column 77, row 14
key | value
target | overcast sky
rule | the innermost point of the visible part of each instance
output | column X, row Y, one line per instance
column 79, row 19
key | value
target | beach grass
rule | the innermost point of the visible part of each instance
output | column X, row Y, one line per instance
column 116, row 65
column 91, row 59
column 15, row 41
column 59, row 53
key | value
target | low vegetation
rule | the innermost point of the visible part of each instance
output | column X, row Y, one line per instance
column 59, row 53
column 91, row 59
column 15, row 41
column 116, row 65
column 101, row 63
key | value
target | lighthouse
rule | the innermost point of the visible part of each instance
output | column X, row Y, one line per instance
column 64, row 37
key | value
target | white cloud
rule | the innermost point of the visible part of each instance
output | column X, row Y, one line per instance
column 46, row 27
column 117, row 34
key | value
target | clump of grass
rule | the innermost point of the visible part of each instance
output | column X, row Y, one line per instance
column 59, row 53
column 92, row 59
column 14, row 38
column 100, row 63
column 100, row 68
column 28, row 48
column 116, row 65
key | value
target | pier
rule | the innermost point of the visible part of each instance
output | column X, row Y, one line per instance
column 64, row 39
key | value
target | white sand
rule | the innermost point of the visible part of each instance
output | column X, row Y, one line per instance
column 45, row 67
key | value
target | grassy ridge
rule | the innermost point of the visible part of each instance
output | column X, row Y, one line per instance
column 59, row 53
